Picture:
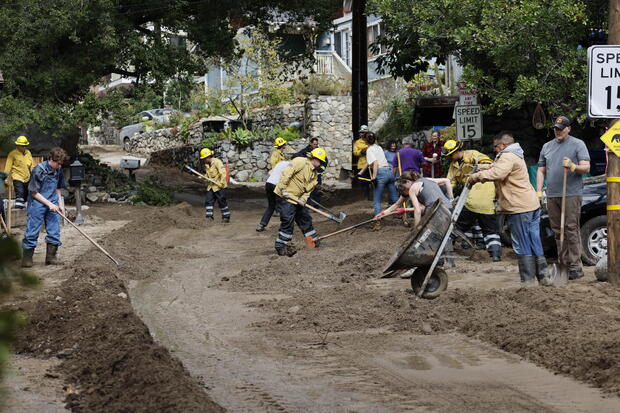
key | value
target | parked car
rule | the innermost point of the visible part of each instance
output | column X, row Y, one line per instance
column 593, row 223
column 216, row 124
column 155, row 115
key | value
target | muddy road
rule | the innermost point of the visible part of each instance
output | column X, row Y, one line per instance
column 320, row 332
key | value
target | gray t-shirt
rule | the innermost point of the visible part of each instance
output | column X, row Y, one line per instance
column 551, row 157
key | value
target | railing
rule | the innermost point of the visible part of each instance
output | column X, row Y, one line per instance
column 324, row 63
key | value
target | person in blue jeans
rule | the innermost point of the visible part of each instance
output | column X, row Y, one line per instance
column 381, row 173
column 518, row 200
column 45, row 203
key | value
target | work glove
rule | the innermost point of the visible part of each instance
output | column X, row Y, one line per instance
column 379, row 215
column 285, row 194
column 568, row 163
column 400, row 211
column 303, row 201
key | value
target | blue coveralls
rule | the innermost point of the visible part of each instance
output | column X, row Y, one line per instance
column 45, row 181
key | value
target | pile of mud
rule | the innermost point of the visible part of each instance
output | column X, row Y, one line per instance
column 110, row 361
column 570, row 330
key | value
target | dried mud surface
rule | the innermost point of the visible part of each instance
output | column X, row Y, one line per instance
column 109, row 358
column 570, row 330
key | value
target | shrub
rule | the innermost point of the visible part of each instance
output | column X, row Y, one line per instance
column 400, row 120
column 320, row 85
column 152, row 193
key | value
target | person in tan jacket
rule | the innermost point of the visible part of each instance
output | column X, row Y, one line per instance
column 295, row 186
column 216, row 173
column 518, row 200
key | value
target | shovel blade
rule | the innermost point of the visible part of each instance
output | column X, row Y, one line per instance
column 558, row 274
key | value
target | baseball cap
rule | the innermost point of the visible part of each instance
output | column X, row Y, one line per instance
column 561, row 122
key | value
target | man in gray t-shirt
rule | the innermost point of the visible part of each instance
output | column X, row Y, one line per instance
column 570, row 153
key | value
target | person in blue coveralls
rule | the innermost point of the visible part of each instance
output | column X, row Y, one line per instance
column 45, row 203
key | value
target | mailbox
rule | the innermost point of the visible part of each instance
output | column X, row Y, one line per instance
column 130, row 164
column 77, row 173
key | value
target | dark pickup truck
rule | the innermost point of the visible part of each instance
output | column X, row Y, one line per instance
column 593, row 223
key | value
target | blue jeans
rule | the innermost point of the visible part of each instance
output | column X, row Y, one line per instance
column 37, row 215
column 525, row 233
column 385, row 178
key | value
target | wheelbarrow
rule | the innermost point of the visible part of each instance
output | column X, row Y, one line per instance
column 422, row 250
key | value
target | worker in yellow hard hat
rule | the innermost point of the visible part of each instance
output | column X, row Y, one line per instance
column 360, row 167
column 295, row 186
column 19, row 164
column 479, row 209
column 278, row 154
column 216, row 172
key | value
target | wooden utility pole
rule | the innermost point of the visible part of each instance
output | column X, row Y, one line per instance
column 359, row 69
column 613, row 171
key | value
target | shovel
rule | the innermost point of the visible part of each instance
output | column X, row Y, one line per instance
column 341, row 215
column 558, row 274
column 352, row 227
column 334, row 218
column 92, row 241
column 195, row 172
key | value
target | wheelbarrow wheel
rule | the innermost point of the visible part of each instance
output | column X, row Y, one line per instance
column 437, row 283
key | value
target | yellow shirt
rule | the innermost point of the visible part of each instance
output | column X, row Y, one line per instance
column 276, row 156
column 359, row 150
column 482, row 195
column 299, row 179
column 217, row 172
column 19, row 165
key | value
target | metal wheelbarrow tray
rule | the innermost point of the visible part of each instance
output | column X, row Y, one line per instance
column 423, row 248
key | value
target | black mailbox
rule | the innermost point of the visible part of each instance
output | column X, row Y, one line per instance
column 77, row 172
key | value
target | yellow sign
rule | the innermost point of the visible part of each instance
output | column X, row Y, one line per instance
column 612, row 138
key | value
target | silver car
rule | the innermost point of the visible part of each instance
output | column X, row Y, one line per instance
column 155, row 115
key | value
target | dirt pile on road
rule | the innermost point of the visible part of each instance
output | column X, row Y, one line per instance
column 109, row 358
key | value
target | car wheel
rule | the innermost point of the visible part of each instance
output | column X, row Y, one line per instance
column 594, row 240
column 126, row 144
column 504, row 231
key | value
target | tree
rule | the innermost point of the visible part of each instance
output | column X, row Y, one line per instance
column 512, row 52
column 54, row 50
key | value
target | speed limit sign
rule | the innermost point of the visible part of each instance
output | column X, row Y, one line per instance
column 604, row 81
column 468, row 122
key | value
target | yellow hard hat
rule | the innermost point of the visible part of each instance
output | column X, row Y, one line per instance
column 450, row 147
column 279, row 142
column 205, row 153
column 22, row 141
column 319, row 153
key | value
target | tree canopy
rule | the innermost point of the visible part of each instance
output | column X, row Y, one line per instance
column 53, row 51
column 513, row 51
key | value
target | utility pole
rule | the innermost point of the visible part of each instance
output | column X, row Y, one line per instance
column 613, row 171
column 359, row 70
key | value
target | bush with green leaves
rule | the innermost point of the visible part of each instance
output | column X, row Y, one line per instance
column 400, row 120
column 151, row 192
column 10, row 320
column 320, row 85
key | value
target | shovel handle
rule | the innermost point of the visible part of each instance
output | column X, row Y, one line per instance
column 195, row 172
column 90, row 239
column 340, row 231
column 311, row 208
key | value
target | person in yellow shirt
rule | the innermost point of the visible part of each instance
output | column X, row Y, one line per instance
column 295, row 186
column 19, row 163
column 359, row 151
column 216, row 172
column 278, row 154
column 480, row 204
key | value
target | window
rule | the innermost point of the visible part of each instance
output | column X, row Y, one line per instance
column 373, row 33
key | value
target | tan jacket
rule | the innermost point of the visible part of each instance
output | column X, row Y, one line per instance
column 515, row 193
column 299, row 179
column 217, row 172
column 359, row 150
column 276, row 156
column 481, row 199
column 19, row 165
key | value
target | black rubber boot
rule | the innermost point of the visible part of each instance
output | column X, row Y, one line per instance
column 225, row 220
column 527, row 270
column 50, row 256
column 496, row 253
column 542, row 271
column 27, row 257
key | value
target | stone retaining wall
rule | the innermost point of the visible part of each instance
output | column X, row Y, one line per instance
column 283, row 116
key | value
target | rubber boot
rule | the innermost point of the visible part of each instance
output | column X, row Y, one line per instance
column 527, row 270
column 260, row 228
column 310, row 242
column 27, row 257
column 50, row 256
column 542, row 271
column 225, row 220
column 496, row 253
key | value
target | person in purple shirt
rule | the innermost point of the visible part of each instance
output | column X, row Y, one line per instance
column 411, row 159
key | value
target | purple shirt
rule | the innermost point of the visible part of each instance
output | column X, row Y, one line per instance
column 410, row 159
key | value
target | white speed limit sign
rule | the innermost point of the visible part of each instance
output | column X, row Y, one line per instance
column 468, row 122
column 604, row 81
